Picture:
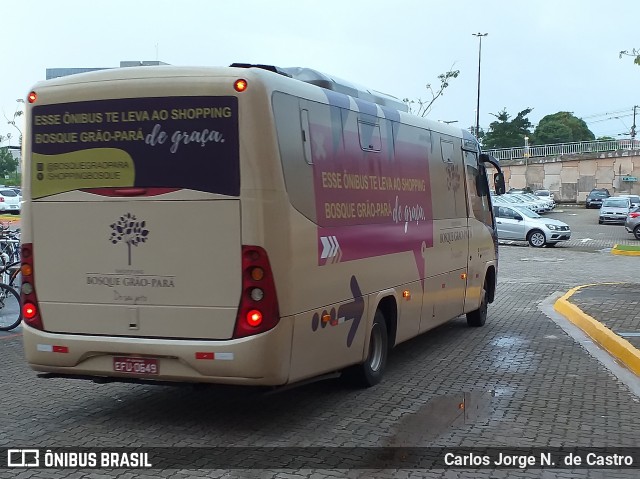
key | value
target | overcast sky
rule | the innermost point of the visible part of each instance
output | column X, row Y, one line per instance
column 550, row 55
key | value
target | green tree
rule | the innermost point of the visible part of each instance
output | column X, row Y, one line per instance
column 422, row 107
column 634, row 53
column 561, row 127
column 8, row 163
column 505, row 133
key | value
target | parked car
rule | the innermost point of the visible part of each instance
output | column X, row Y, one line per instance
column 614, row 210
column 9, row 201
column 546, row 194
column 517, row 200
column 632, row 223
column 18, row 192
column 521, row 224
column 596, row 196
column 547, row 205
column 635, row 200
column 526, row 189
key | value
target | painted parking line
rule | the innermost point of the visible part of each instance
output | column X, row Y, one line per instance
column 618, row 347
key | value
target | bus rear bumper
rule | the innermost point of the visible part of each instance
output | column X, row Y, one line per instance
column 260, row 360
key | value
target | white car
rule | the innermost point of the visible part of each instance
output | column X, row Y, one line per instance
column 9, row 201
column 514, row 199
column 521, row 224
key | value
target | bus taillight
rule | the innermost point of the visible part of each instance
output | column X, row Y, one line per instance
column 29, row 311
column 254, row 318
column 258, row 310
column 28, row 298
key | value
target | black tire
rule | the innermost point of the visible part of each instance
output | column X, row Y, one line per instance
column 10, row 310
column 636, row 232
column 477, row 318
column 536, row 238
column 370, row 372
column 15, row 279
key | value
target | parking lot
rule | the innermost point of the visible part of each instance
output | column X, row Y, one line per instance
column 527, row 380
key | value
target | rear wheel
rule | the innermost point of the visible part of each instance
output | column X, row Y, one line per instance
column 371, row 371
column 636, row 232
column 477, row 318
column 536, row 239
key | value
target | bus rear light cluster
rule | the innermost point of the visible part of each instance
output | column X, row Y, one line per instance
column 28, row 298
column 258, row 310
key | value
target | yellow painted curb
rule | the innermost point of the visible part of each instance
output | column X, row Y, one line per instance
column 615, row 250
column 618, row 347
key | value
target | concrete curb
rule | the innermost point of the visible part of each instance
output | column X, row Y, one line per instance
column 625, row 250
column 618, row 347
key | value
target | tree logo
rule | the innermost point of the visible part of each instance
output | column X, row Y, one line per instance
column 130, row 231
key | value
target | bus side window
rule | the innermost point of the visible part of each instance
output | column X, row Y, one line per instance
column 306, row 136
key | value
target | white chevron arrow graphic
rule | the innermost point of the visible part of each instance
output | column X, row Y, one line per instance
column 326, row 247
column 330, row 246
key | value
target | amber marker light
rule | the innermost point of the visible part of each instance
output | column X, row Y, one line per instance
column 240, row 85
column 463, row 276
column 257, row 274
column 32, row 97
column 26, row 270
column 406, row 294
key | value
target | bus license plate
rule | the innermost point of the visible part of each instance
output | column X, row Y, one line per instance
column 135, row 365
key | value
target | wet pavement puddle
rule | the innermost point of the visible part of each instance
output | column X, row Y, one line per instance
column 444, row 413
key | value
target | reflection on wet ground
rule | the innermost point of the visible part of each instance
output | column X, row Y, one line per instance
column 443, row 413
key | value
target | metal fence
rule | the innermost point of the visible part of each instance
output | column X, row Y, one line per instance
column 540, row 151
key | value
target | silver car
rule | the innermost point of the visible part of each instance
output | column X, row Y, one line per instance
column 521, row 224
column 614, row 210
column 634, row 199
column 632, row 223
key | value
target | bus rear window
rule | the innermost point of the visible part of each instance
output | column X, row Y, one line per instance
column 163, row 142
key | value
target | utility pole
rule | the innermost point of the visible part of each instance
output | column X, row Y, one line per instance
column 633, row 127
column 479, row 35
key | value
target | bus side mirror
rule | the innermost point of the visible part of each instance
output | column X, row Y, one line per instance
column 498, row 182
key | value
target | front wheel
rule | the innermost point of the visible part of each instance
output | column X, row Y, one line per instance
column 477, row 318
column 371, row 371
column 636, row 232
column 536, row 239
column 10, row 311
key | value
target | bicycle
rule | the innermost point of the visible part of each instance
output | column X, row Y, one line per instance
column 10, row 310
column 10, row 243
column 10, row 272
